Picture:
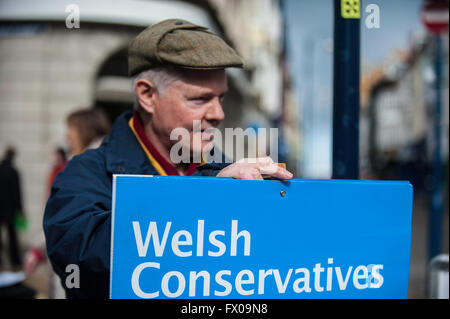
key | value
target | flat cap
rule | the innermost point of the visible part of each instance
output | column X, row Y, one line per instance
column 180, row 43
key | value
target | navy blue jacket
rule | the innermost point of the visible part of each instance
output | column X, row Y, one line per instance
column 77, row 218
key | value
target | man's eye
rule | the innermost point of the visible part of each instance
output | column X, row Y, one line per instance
column 199, row 100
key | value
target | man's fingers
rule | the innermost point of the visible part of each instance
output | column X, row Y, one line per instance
column 267, row 167
column 261, row 161
column 255, row 169
column 250, row 174
column 278, row 172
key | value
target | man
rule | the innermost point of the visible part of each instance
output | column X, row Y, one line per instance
column 10, row 206
column 179, row 78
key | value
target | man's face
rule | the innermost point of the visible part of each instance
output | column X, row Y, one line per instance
column 197, row 96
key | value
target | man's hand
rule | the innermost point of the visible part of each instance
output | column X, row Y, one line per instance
column 254, row 169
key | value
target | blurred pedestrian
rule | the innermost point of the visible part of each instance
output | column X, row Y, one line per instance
column 37, row 254
column 86, row 129
column 60, row 161
column 10, row 205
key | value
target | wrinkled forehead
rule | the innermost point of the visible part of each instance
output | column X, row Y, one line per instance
column 194, row 76
column 215, row 80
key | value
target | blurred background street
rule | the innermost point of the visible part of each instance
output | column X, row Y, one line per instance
column 51, row 66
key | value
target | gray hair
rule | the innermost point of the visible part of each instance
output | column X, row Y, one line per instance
column 162, row 77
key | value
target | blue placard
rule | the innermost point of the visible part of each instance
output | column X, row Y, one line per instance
column 206, row 237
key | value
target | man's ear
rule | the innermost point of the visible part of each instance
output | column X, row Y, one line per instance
column 146, row 94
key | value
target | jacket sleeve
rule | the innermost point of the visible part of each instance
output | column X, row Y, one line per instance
column 213, row 168
column 210, row 169
column 77, row 226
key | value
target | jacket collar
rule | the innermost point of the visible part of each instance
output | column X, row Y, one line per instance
column 163, row 166
column 123, row 153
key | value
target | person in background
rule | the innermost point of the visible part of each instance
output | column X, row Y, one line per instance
column 86, row 129
column 36, row 254
column 10, row 205
column 60, row 161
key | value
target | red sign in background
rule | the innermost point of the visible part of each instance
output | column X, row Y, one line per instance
column 435, row 16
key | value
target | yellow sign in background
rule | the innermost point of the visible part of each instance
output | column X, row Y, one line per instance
column 350, row 9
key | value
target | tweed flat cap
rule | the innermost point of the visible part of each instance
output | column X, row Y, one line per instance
column 180, row 43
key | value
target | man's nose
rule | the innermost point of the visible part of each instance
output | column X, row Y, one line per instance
column 215, row 111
